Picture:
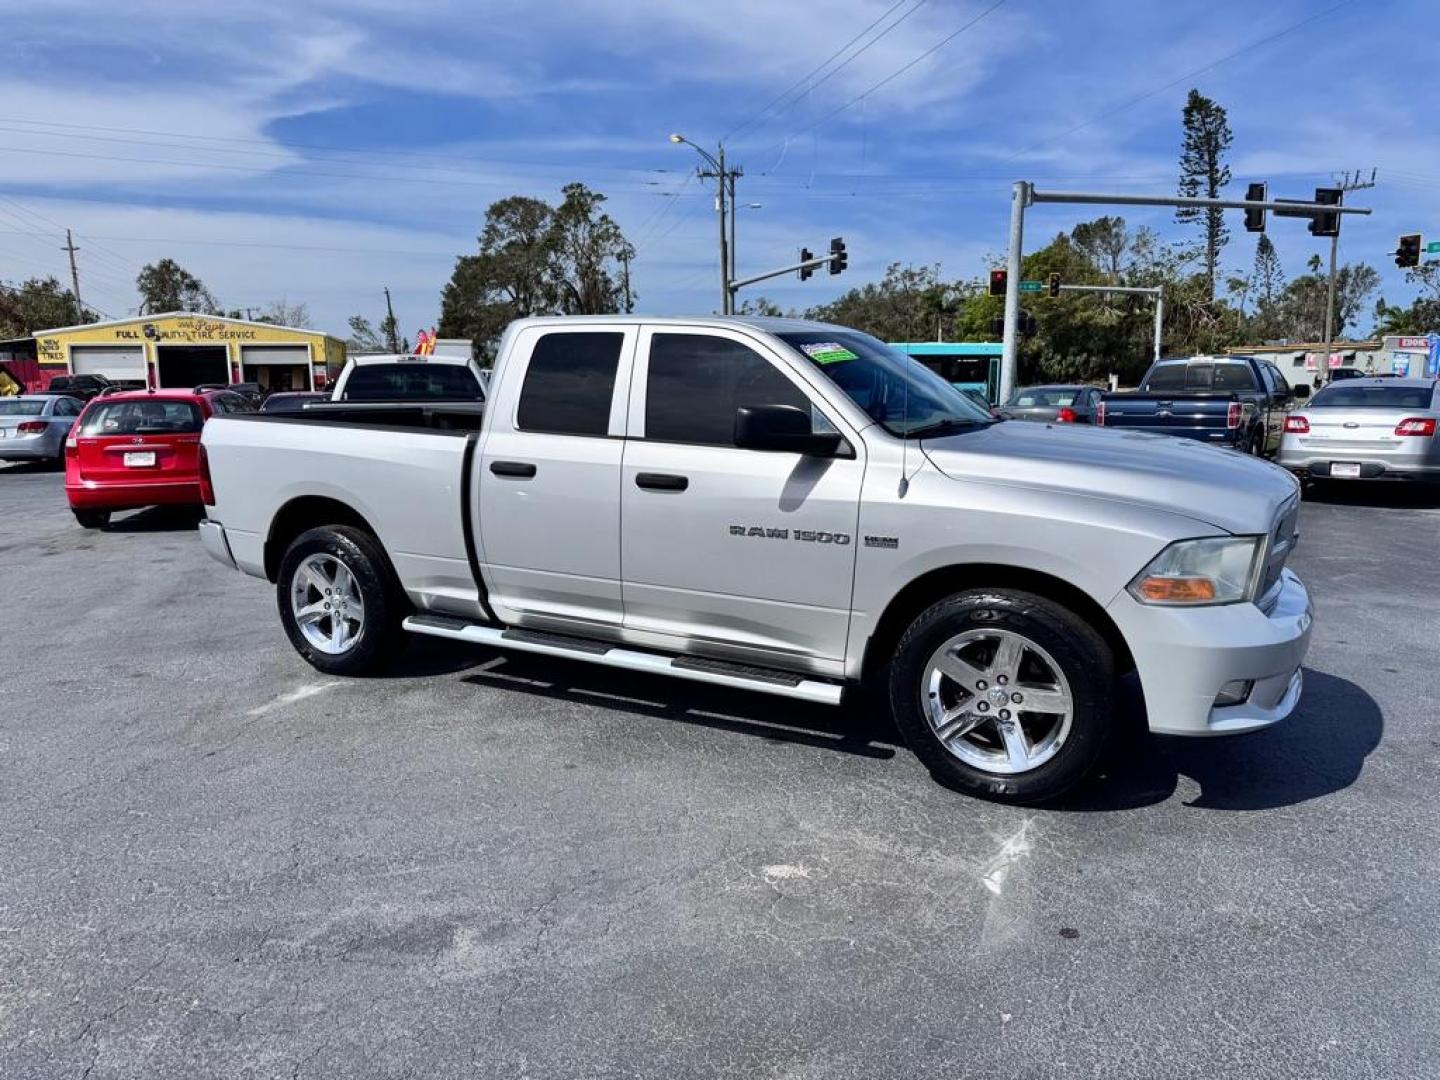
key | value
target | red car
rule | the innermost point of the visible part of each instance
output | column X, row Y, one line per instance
column 141, row 448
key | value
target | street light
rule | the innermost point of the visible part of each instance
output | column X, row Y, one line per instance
column 720, row 175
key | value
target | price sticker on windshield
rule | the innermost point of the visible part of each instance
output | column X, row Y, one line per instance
column 828, row 352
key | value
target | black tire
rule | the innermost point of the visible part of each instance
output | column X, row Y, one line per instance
column 1072, row 645
column 384, row 607
column 1256, row 446
column 92, row 519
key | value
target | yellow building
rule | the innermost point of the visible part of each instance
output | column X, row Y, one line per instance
column 180, row 350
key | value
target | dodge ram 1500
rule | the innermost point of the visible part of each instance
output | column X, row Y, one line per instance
column 792, row 508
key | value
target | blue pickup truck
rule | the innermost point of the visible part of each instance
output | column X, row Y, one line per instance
column 1234, row 401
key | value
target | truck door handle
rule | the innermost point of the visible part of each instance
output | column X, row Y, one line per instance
column 654, row 481
column 521, row 470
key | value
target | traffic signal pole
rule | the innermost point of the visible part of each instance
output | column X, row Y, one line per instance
column 1023, row 194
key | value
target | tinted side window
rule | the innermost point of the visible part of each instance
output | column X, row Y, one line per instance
column 66, row 407
column 569, row 383
column 696, row 382
column 412, row 381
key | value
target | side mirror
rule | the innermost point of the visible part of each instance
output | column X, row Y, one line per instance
column 782, row 428
column 1301, row 392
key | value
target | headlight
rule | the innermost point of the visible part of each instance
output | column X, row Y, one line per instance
column 1194, row 573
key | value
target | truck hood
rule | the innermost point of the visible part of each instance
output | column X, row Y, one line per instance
column 1229, row 490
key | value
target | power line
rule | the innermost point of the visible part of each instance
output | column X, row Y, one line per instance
column 1130, row 102
column 819, row 67
column 901, row 70
column 252, row 244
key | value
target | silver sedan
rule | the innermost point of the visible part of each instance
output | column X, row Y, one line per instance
column 1366, row 429
column 33, row 427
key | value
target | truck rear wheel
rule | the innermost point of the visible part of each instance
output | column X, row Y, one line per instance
column 1004, row 694
column 339, row 602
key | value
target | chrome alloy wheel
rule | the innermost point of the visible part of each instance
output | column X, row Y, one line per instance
column 325, row 599
column 997, row 701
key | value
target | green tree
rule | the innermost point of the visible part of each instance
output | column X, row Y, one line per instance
column 910, row 303
column 1299, row 311
column 586, row 248
column 36, row 304
column 1203, row 172
column 1268, row 277
column 1423, row 313
column 363, row 338
column 535, row 259
column 168, row 286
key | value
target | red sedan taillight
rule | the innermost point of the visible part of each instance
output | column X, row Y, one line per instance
column 1297, row 425
column 30, row 427
column 207, row 489
column 1414, row 425
column 1233, row 414
column 1066, row 415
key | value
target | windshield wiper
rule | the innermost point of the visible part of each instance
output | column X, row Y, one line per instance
column 944, row 427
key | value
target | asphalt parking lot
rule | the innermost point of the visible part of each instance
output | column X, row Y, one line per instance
column 216, row 862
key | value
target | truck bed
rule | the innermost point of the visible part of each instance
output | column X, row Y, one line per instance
column 404, row 470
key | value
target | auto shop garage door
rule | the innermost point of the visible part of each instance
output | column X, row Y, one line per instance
column 276, row 367
column 122, row 363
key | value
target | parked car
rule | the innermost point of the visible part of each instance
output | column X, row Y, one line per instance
column 1366, row 429
column 791, row 508
column 434, row 377
column 33, row 427
column 1234, row 401
column 141, row 448
column 82, row 387
column 291, row 400
column 1053, row 404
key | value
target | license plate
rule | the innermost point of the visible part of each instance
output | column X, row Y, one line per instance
column 1344, row 468
column 141, row 458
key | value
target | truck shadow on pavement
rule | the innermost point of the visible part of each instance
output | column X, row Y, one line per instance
column 1318, row 750
column 1395, row 495
column 847, row 730
column 158, row 519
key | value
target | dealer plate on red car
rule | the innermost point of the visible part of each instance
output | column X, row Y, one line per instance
column 139, row 458
column 1337, row 468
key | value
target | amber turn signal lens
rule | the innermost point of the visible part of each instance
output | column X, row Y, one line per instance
column 1178, row 590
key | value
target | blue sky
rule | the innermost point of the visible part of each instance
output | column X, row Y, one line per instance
column 318, row 152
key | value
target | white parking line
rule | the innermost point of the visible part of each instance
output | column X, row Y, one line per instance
column 299, row 694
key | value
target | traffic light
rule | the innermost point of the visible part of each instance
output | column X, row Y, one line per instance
column 1053, row 285
column 1326, row 224
column 1025, row 323
column 1255, row 219
column 805, row 271
column 1407, row 251
column 997, row 282
column 838, row 257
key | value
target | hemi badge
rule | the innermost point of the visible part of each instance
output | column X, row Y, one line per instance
column 882, row 541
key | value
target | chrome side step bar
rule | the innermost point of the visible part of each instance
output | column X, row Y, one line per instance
column 714, row 672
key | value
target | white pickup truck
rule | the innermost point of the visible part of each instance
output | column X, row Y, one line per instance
column 791, row 508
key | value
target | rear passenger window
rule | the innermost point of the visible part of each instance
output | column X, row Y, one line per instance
column 569, row 384
column 697, row 382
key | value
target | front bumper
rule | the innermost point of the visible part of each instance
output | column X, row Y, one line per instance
column 214, row 541
column 1184, row 657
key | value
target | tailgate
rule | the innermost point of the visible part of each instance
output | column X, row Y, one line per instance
column 1173, row 414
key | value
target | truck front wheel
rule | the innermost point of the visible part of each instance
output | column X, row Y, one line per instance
column 338, row 600
column 1003, row 694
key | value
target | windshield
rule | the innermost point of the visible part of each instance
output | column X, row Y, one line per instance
column 412, row 381
column 1352, row 396
column 896, row 391
column 21, row 408
column 145, row 416
column 1042, row 397
column 1200, row 376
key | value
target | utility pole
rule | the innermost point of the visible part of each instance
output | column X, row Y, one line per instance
column 74, row 276
column 1347, row 183
column 392, row 339
column 724, row 193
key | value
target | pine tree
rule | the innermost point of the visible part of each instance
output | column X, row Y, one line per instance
column 1203, row 172
column 1268, row 279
